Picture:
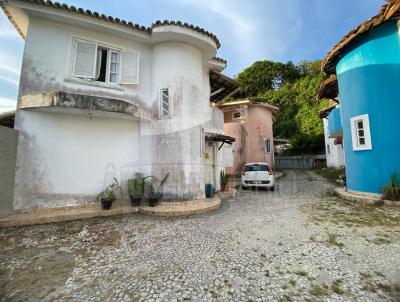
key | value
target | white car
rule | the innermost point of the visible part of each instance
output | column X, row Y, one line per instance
column 258, row 175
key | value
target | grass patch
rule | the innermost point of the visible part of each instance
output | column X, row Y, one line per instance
column 301, row 273
column 331, row 174
column 332, row 240
column 292, row 282
column 353, row 214
column 319, row 290
column 337, row 287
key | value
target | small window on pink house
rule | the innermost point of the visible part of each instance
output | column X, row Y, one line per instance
column 237, row 115
column 267, row 145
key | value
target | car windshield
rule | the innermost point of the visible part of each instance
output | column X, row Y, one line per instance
column 256, row 167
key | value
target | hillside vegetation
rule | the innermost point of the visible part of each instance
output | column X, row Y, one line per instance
column 293, row 89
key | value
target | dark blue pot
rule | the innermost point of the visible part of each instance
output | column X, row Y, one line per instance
column 209, row 190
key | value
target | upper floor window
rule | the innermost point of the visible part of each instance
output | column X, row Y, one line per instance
column 360, row 132
column 104, row 64
column 164, row 103
column 267, row 145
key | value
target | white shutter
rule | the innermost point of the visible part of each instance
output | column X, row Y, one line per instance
column 85, row 59
column 129, row 67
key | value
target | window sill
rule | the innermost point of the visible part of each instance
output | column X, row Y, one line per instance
column 94, row 83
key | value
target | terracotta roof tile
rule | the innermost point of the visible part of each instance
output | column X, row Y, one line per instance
column 122, row 22
column 390, row 10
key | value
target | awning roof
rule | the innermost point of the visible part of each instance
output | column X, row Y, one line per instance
column 216, row 137
column 323, row 113
column 390, row 10
column 329, row 89
column 247, row 102
column 7, row 119
column 222, row 86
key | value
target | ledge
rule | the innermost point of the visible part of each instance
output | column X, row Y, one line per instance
column 94, row 83
column 187, row 208
column 54, row 215
column 66, row 100
column 365, row 198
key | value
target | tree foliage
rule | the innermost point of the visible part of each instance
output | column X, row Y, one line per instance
column 265, row 75
column 292, row 88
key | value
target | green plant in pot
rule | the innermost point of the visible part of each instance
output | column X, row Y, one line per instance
column 153, row 189
column 392, row 190
column 136, row 189
column 224, row 180
column 107, row 196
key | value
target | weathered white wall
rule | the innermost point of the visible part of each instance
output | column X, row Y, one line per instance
column 176, row 140
column 335, row 157
column 67, row 159
column 47, row 60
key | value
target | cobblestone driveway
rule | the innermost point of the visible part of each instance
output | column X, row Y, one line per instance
column 299, row 243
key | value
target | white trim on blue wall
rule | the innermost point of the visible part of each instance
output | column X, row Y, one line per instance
column 361, row 133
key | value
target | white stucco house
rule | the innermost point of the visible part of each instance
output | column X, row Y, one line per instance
column 101, row 97
column 333, row 132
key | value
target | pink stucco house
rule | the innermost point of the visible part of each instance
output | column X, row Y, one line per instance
column 250, row 122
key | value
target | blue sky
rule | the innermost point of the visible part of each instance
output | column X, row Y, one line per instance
column 279, row 30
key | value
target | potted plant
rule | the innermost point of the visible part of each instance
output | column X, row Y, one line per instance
column 392, row 190
column 153, row 195
column 209, row 190
column 153, row 189
column 136, row 189
column 107, row 196
column 224, row 180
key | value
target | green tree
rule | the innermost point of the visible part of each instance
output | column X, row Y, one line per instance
column 298, row 118
column 265, row 75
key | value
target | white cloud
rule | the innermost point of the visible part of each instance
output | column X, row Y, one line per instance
column 7, row 104
column 9, row 80
column 6, row 28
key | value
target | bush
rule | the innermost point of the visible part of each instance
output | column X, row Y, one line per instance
column 392, row 190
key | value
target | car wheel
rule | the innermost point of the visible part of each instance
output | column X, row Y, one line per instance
column 273, row 188
column 244, row 188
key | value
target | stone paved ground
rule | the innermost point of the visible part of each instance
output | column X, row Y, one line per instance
column 299, row 243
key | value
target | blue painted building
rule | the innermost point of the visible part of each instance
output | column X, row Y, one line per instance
column 335, row 123
column 367, row 67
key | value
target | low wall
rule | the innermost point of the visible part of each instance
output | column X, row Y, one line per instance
column 8, row 154
column 300, row 162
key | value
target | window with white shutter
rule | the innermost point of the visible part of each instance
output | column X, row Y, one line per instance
column 164, row 103
column 104, row 63
column 85, row 59
column 130, row 67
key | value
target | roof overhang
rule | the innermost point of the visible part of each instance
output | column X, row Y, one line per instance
column 73, row 103
column 18, row 12
column 218, row 64
column 7, row 119
column 329, row 89
column 217, row 137
column 247, row 102
column 390, row 10
column 222, row 86
column 324, row 112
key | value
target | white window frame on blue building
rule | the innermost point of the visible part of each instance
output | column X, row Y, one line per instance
column 361, row 133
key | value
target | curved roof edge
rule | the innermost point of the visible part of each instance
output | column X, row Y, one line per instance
column 329, row 89
column 103, row 17
column 390, row 10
